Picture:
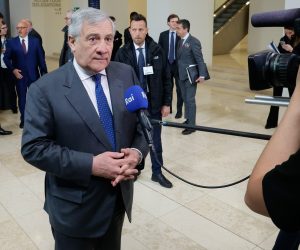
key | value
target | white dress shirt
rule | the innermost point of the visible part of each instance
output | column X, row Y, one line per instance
column 89, row 84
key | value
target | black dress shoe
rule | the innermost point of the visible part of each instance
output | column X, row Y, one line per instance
column 162, row 180
column 178, row 115
column 14, row 110
column 188, row 131
column 4, row 132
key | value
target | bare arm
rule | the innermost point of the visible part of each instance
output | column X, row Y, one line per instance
column 284, row 142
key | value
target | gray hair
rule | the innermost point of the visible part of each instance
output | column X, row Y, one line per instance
column 91, row 16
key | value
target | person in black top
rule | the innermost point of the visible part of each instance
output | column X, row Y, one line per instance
column 8, row 95
column 127, row 36
column 66, row 54
column 34, row 33
column 117, row 40
column 285, row 45
column 274, row 188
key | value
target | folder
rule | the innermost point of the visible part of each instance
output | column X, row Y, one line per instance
column 193, row 73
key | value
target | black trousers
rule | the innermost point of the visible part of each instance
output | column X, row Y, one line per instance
column 287, row 241
column 110, row 241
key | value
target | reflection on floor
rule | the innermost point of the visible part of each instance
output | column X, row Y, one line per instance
column 183, row 217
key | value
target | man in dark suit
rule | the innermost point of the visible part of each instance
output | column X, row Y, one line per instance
column 34, row 33
column 117, row 40
column 66, row 53
column 150, row 64
column 127, row 36
column 25, row 59
column 168, row 40
column 79, row 132
column 189, row 52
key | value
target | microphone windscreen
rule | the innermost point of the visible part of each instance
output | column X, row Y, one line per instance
column 135, row 99
column 279, row 18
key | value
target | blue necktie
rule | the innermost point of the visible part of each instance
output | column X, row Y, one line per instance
column 172, row 49
column 105, row 114
column 141, row 65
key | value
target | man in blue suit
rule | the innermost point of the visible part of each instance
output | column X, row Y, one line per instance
column 24, row 57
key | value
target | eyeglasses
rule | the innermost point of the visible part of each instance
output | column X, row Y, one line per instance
column 20, row 28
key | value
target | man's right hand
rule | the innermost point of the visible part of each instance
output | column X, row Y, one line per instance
column 17, row 73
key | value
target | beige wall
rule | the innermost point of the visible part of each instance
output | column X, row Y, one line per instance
column 48, row 21
column 218, row 3
column 139, row 6
column 199, row 13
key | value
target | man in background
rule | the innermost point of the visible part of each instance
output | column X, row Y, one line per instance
column 66, row 53
column 127, row 36
column 189, row 52
column 24, row 57
column 117, row 40
column 168, row 40
column 33, row 32
column 285, row 45
column 150, row 64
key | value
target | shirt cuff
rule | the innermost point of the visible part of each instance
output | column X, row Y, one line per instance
column 140, row 155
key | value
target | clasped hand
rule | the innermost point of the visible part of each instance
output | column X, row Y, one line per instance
column 116, row 166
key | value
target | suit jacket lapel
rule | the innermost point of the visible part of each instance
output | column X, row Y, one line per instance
column 80, row 100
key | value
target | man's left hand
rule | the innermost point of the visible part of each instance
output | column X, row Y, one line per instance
column 200, row 79
column 132, row 159
column 165, row 111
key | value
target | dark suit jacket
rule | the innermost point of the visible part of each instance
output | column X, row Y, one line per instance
column 190, row 53
column 66, row 54
column 163, row 41
column 32, row 64
column 127, row 36
column 36, row 34
column 159, row 83
column 61, row 135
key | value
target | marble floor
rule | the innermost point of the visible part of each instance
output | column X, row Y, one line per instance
column 184, row 217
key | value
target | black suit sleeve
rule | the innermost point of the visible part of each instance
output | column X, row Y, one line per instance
column 281, row 190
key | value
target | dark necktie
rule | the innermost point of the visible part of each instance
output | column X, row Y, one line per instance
column 24, row 46
column 172, row 49
column 141, row 65
column 105, row 114
column 180, row 44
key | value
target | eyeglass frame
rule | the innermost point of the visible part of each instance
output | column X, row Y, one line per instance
column 20, row 28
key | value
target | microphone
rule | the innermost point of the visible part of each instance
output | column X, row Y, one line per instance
column 136, row 101
column 279, row 18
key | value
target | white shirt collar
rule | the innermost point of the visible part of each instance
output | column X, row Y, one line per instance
column 82, row 73
column 136, row 46
column 186, row 36
column 25, row 38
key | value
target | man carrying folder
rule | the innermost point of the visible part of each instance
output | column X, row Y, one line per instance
column 189, row 53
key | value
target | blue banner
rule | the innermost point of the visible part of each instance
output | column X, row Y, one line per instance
column 94, row 4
